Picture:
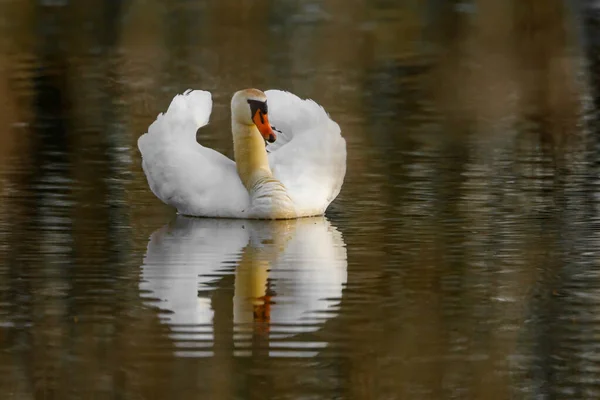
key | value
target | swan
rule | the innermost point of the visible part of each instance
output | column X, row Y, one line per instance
column 274, row 279
column 291, row 172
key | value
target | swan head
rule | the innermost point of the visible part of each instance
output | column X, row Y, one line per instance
column 249, row 107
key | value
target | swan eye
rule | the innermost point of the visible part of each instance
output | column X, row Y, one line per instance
column 257, row 105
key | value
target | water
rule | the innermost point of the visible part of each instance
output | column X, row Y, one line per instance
column 459, row 261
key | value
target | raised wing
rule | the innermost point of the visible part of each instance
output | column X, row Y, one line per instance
column 196, row 180
column 309, row 155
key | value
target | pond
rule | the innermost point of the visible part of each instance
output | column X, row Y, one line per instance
column 460, row 260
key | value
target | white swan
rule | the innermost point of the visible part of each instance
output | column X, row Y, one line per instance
column 288, row 278
column 297, row 174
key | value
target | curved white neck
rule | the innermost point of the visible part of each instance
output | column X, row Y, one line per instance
column 250, row 155
column 268, row 195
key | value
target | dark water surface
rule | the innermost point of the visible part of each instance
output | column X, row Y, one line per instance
column 460, row 261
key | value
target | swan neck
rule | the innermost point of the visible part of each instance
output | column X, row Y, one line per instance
column 250, row 155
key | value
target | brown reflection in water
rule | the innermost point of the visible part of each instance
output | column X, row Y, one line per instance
column 509, row 63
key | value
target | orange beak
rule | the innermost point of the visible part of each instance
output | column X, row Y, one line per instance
column 262, row 123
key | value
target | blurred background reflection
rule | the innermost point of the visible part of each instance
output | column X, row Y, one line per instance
column 461, row 259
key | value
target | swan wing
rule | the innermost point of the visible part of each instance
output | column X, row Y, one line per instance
column 309, row 155
column 182, row 173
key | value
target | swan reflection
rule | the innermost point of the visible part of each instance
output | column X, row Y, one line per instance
column 278, row 278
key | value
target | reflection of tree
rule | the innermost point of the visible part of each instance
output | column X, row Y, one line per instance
column 481, row 183
column 65, row 208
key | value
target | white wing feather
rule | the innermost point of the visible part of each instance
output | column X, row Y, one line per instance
column 194, row 179
column 309, row 155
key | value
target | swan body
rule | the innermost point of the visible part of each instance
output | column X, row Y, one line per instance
column 298, row 173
